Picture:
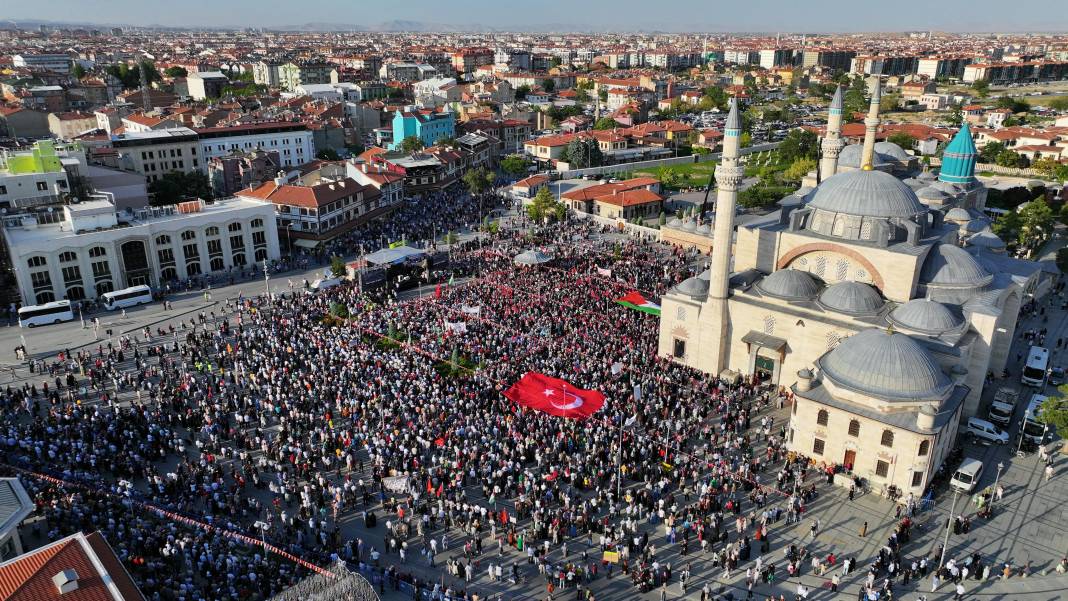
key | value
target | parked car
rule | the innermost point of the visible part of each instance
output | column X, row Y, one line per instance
column 982, row 430
column 1056, row 376
column 967, row 475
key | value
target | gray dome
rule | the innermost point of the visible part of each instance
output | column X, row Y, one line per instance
column 983, row 299
column 705, row 275
column 958, row 215
column 867, row 193
column 953, row 267
column 704, row 230
column 689, row 225
column 694, row 287
column 676, row 222
column 979, row 224
column 914, row 183
column 887, row 365
column 892, row 150
column 789, row 284
column 929, row 193
column 852, row 298
column 986, row 239
column 927, row 176
column 948, row 188
column 850, row 157
column 926, row 316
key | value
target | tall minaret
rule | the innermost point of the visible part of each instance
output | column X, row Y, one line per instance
column 871, row 123
column 832, row 141
column 715, row 327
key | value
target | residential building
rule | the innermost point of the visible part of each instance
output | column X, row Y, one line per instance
column 512, row 133
column 21, row 122
column 234, row 172
column 267, row 73
column 206, row 84
column 60, row 63
column 426, row 125
column 40, row 175
column 93, row 248
column 145, row 122
column 66, row 126
column 838, row 60
column 390, row 185
column 776, row 57
column 293, row 141
column 155, row 153
column 436, row 91
column 405, row 71
column 467, row 60
column 78, row 567
column 942, row 66
column 293, row 74
column 529, row 187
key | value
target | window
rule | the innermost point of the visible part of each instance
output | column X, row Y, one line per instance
column 821, row 417
column 917, row 479
column 925, row 447
column 189, row 235
column 679, row 349
column 42, row 186
column 72, row 275
column 37, row 262
column 163, row 239
column 101, row 269
column 67, row 257
column 882, row 468
column 817, row 446
column 237, row 243
column 191, row 252
column 887, row 439
column 98, row 251
column 212, row 231
column 217, row 264
column 257, row 223
column 234, row 227
column 3, row 189
column 854, row 428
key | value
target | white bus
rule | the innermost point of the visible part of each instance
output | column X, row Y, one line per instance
column 1034, row 372
column 39, row 315
column 1033, row 429
column 127, row 297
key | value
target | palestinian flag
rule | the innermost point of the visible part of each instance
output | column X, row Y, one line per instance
column 634, row 300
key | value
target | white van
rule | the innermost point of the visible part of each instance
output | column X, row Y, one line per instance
column 967, row 475
column 1003, row 406
column 326, row 283
column 980, row 429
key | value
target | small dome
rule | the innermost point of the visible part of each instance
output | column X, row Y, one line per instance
column 703, row 230
column 887, row 365
column 789, row 284
column 689, row 225
column 927, row 176
column 705, row 275
column 958, row 215
column 926, row 316
column 986, row 239
column 914, row 183
column 979, row 224
column 693, row 287
column 931, row 194
column 867, row 193
column 676, row 222
column 948, row 188
column 953, row 267
column 850, row 157
column 853, row 298
column 892, row 150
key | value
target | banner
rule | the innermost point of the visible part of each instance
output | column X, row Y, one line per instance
column 476, row 310
column 611, row 556
column 398, row 243
column 554, row 396
column 605, row 272
column 397, row 484
column 459, row 327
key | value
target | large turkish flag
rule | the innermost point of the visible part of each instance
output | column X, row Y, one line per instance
column 554, row 396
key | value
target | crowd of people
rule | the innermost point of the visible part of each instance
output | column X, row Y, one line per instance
column 383, row 439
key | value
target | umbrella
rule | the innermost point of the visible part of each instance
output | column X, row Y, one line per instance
column 532, row 257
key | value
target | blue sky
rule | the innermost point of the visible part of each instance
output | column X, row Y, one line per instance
column 669, row 15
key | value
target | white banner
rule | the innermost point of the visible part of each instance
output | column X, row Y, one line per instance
column 397, row 484
column 458, row 327
column 605, row 272
column 476, row 310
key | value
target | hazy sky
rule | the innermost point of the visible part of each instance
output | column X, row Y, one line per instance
column 673, row 15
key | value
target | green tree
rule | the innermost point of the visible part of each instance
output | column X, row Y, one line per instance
column 902, row 139
column 1008, row 158
column 799, row 169
column 602, row 95
column 515, row 164
column 337, row 266
column 799, row 144
column 411, row 144
column 479, row 180
column 1054, row 412
column 746, row 140
column 328, row 154
column 605, row 123
column 176, row 186
column 1013, row 104
column 522, row 91
column 1059, row 104
column 78, row 71
column 982, row 88
column 544, row 206
column 584, row 152
column 1007, row 226
column 756, row 197
column 956, row 116
column 446, row 141
column 989, row 153
column 1036, row 222
column 855, row 99
column 548, row 85
column 668, row 177
column 129, row 75
column 176, row 71
column 889, row 102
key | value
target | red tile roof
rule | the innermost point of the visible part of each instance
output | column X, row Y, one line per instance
column 630, row 198
column 311, row 197
column 28, row 577
column 530, row 182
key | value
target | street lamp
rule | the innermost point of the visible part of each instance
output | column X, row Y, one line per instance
column 1001, row 466
column 949, row 524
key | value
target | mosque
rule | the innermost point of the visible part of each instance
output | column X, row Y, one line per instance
column 879, row 296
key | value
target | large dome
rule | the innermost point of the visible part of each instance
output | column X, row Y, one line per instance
column 867, row 193
column 694, row 287
column 789, row 284
column 887, row 365
column 925, row 316
column 853, row 298
column 892, row 150
column 851, row 154
column 949, row 266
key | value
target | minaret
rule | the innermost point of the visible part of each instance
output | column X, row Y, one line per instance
column 832, row 141
column 871, row 123
column 715, row 328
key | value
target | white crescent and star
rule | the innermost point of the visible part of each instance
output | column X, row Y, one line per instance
column 575, row 403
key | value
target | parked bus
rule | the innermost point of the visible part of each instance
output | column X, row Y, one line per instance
column 39, row 315
column 1034, row 372
column 127, row 297
column 1034, row 430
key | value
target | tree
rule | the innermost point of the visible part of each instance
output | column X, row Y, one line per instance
column 1059, row 104
column 746, row 140
column 1013, row 104
column 176, row 186
column 799, row 144
column 78, row 71
column 602, row 95
column 129, row 75
column 411, row 144
column 981, row 87
column 756, row 197
column 1054, row 412
column 889, row 102
column 544, row 206
column 956, row 116
column 1008, row 158
column 479, row 180
column 605, row 123
column 328, row 154
column 668, row 177
column 584, row 152
column 855, row 99
column 1036, row 222
column 548, row 85
column 902, row 139
column 799, row 169
column 1007, row 227
column 989, row 153
column 337, row 266
column 176, row 71
column 446, row 141
column 1062, row 260
column 515, row 164
column 522, row 91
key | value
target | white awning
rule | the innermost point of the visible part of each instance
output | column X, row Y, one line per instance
column 305, row 243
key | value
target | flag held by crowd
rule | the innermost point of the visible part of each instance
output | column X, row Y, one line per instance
column 605, row 272
column 635, row 300
column 554, row 396
column 397, row 484
column 458, row 327
column 472, row 310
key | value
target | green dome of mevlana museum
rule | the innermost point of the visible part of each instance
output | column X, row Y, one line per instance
column 958, row 160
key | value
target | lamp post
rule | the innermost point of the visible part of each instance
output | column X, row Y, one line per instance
column 949, row 524
column 266, row 280
column 1001, row 466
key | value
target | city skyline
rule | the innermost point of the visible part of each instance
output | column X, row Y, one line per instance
column 830, row 16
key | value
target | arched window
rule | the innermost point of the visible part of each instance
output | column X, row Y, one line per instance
column 163, row 239
column 75, row 293
column 925, row 447
column 257, row 222
column 189, row 235
column 234, row 227
column 98, row 251
column 37, row 262
column 821, row 417
column 854, row 427
column 45, row 297
column 212, row 231
column 67, row 257
column 887, row 438
column 261, row 254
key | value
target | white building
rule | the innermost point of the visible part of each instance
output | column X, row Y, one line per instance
column 91, row 248
column 293, row 141
column 60, row 63
column 15, row 506
column 206, row 84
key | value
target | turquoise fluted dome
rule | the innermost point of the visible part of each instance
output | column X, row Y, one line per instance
column 958, row 160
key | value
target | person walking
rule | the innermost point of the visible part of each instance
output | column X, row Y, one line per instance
column 960, row 591
column 864, row 530
column 835, row 580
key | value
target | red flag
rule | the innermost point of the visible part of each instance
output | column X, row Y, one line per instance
column 441, row 489
column 437, row 291
column 429, row 486
column 554, row 396
column 440, row 441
